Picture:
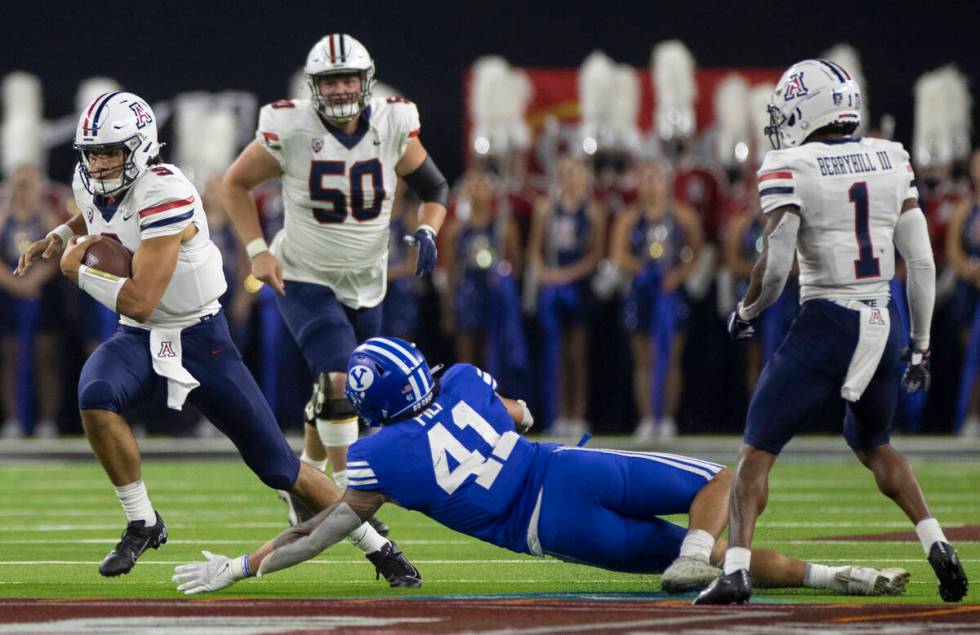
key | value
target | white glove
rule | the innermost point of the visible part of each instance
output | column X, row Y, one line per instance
column 527, row 420
column 217, row 572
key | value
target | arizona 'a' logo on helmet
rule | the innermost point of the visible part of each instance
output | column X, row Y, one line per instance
column 795, row 87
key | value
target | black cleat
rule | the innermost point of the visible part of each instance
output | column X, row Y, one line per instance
column 298, row 512
column 952, row 579
column 135, row 540
column 395, row 567
column 379, row 526
column 733, row 588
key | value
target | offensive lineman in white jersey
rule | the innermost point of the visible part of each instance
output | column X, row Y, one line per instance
column 172, row 330
column 339, row 154
column 843, row 204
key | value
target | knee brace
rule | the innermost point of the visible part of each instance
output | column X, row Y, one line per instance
column 332, row 416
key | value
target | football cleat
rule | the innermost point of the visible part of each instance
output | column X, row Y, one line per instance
column 687, row 574
column 297, row 510
column 135, row 540
column 395, row 567
column 953, row 584
column 379, row 526
column 868, row 581
column 733, row 588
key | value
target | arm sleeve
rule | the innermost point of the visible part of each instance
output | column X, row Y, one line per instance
column 912, row 241
column 168, row 206
column 270, row 129
column 778, row 183
column 781, row 246
column 333, row 525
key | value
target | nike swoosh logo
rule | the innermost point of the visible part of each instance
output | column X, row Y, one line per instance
column 128, row 217
column 215, row 351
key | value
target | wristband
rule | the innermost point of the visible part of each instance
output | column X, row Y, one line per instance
column 103, row 287
column 62, row 231
column 256, row 247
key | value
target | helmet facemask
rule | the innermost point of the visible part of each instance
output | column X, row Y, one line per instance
column 341, row 107
column 92, row 178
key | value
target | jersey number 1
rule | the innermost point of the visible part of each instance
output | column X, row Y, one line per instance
column 866, row 266
column 337, row 213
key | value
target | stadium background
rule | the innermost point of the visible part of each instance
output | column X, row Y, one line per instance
column 160, row 50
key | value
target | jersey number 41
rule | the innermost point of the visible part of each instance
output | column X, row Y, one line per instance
column 444, row 444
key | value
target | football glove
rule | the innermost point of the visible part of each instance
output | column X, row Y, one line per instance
column 425, row 239
column 739, row 329
column 917, row 373
column 216, row 572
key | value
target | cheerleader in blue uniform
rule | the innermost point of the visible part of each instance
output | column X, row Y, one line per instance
column 963, row 254
column 400, row 309
column 31, row 310
column 566, row 242
column 482, row 258
column 657, row 242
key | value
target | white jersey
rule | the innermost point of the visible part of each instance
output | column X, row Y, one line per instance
column 337, row 190
column 162, row 202
column 849, row 194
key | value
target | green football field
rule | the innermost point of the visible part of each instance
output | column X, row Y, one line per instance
column 60, row 518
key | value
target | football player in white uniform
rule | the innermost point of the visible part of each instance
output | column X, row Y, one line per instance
column 842, row 204
column 172, row 329
column 339, row 155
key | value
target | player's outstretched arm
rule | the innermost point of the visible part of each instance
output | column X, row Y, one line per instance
column 52, row 244
column 254, row 166
column 293, row 546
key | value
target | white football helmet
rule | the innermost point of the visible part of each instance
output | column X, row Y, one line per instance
column 339, row 53
column 810, row 95
column 117, row 120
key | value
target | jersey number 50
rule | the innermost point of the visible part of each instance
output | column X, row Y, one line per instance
column 337, row 212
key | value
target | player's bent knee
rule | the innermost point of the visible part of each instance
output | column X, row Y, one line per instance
column 97, row 394
column 278, row 479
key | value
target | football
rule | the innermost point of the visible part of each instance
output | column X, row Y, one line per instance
column 110, row 256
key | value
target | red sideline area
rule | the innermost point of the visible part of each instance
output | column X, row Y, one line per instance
column 511, row 615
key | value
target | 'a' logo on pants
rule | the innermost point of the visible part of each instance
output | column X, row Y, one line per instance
column 876, row 318
column 166, row 349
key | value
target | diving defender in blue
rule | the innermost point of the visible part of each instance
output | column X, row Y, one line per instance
column 452, row 448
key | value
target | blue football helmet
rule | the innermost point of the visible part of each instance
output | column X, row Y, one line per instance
column 388, row 378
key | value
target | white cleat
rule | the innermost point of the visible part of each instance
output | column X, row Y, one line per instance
column 687, row 574
column 868, row 581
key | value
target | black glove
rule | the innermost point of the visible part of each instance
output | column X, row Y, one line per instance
column 917, row 373
column 425, row 238
column 739, row 329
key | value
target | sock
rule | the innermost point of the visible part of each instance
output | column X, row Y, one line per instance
column 320, row 465
column 737, row 558
column 820, row 576
column 698, row 545
column 367, row 539
column 340, row 478
column 929, row 532
column 136, row 503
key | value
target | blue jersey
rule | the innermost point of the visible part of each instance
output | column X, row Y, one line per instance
column 460, row 462
column 567, row 235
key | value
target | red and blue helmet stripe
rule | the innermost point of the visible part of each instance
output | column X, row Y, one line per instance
column 91, row 124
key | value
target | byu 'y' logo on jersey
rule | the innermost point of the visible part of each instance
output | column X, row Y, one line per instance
column 795, row 87
column 142, row 117
column 360, row 378
column 166, row 349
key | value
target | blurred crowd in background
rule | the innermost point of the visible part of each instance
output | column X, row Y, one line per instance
column 604, row 227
